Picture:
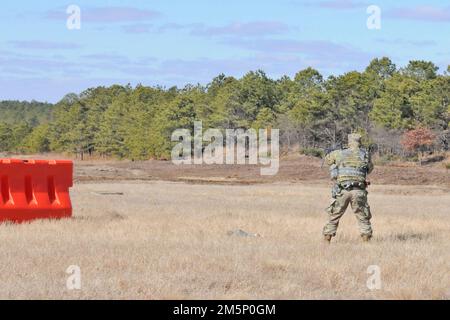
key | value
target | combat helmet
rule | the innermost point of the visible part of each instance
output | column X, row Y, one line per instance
column 354, row 140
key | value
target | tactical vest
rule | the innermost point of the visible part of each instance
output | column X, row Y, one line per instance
column 352, row 165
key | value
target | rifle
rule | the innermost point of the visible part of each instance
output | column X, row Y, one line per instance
column 329, row 150
column 373, row 147
column 336, row 189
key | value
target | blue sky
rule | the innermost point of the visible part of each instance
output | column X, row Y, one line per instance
column 175, row 42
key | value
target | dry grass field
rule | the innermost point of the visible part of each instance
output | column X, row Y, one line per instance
column 171, row 240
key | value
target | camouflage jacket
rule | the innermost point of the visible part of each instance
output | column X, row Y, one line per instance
column 351, row 164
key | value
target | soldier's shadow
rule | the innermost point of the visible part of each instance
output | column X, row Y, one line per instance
column 407, row 236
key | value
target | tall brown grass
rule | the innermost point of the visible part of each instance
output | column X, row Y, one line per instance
column 165, row 240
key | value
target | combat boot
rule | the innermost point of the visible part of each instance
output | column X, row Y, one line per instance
column 366, row 237
column 327, row 238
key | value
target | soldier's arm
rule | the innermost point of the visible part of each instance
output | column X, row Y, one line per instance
column 330, row 158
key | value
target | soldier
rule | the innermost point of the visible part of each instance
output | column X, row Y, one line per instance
column 350, row 168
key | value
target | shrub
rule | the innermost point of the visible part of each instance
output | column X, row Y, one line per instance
column 314, row 152
column 418, row 141
column 385, row 159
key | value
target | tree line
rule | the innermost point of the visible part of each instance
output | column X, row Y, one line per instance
column 311, row 111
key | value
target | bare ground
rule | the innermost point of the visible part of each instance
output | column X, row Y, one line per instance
column 161, row 240
column 293, row 168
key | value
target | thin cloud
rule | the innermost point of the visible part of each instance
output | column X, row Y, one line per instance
column 337, row 4
column 403, row 42
column 36, row 64
column 85, row 65
column 179, row 26
column 314, row 49
column 275, row 65
column 237, row 29
column 116, row 61
column 44, row 45
column 421, row 13
column 138, row 28
column 255, row 28
column 106, row 57
column 108, row 14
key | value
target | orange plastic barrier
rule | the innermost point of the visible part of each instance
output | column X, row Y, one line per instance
column 35, row 189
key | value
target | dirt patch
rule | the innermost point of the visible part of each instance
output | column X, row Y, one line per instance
column 294, row 168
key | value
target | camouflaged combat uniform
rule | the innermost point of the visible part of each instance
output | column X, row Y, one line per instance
column 350, row 168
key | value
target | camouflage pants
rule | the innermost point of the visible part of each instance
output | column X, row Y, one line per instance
column 358, row 200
